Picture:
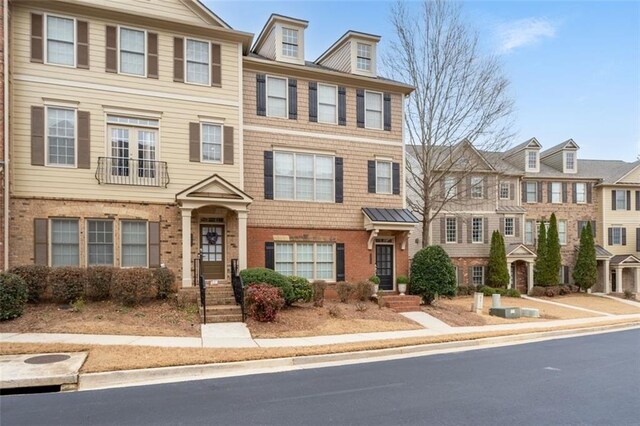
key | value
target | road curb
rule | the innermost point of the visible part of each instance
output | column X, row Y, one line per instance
column 140, row 377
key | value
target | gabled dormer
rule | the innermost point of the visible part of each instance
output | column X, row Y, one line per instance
column 562, row 157
column 526, row 154
column 354, row 52
column 282, row 39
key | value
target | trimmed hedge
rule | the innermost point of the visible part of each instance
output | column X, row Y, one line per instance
column 68, row 283
column 13, row 296
column 35, row 276
column 271, row 277
column 132, row 286
column 302, row 289
column 165, row 281
column 263, row 302
column 465, row 290
column 364, row 290
column 99, row 282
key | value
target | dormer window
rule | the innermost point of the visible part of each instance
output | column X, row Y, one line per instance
column 570, row 161
column 290, row 42
column 532, row 161
column 363, row 60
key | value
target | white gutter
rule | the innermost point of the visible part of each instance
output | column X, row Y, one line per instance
column 5, row 61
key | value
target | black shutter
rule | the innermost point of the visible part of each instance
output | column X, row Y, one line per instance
column 589, row 194
column 624, row 236
column 637, row 200
column 371, row 178
column 574, row 193
column 459, row 229
column 539, row 189
column 512, row 191
column 40, row 241
column 313, row 101
column 470, row 275
column 269, row 255
column 339, row 180
column 564, row 192
column 396, row 178
column 387, row 111
column 501, row 224
column 628, row 200
column 154, row 244
column 340, row 274
column 581, row 225
column 637, row 239
column 610, row 239
column 549, row 191
column 293, row 99
column 443, row 230
column 268, row 175
column 485, row 226
column 566, row 274
column 524, row 192
column 342, row 106
column 261, row 94
column 360, row 107
column 613, row 199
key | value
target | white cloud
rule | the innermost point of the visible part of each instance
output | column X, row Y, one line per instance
column 524, row 32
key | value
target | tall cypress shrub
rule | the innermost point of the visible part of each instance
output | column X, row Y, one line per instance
column 498, row 274
column 554, row 260
column 585, row 272
column 541, row 256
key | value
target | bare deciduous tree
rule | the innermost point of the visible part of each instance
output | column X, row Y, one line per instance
column 460, row 94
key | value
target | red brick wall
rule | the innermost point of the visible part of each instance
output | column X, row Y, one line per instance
column 2, row 183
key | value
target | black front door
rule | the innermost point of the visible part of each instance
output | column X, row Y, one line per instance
column 384, row 266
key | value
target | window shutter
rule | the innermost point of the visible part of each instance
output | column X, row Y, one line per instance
column 512, row 191
column 37, row 136
column 216, row 65
column 261, row 94
column 610, row 239
column 469, row 189
column 178, row 59
column 628, row 200
column 484, row 275
column 152, row 55
column 549, row 191
column 340, row 273
column 613, row 199
column 154, row 244
column 194, row 142
column 268, row 175
column 37, row 39
column 460, row 275
column 82, row 46
column 313, row 101
column 470, row 275
column 637, row 200
column 539, row 189
column 501, row 220
column 593, row 228
column 564, row 192
column 111, row 59
column 485, row 229
column 293, row 99
column 269, row 255
column 443, row 230
column 485, row 187
column 396, row 178
column 40, row 241
column 624, row 236
column 371, row 178
column 360, row 107
column 342, row 106
column 339, row 194
column 387, row 111
column 566, row 274
column 637, row 239
column 84, row 140
column 516, row 227
column 459, row 230
column 228, row 145
column 589, row 193
column 581, row 225
column 524, row 192
column 469, row 230
column 574, row 193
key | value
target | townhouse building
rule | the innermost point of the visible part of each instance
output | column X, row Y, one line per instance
column 3, row 142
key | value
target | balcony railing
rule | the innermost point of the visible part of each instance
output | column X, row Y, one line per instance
column 127, row 171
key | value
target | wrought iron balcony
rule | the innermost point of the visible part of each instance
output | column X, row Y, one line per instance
column 127, row 171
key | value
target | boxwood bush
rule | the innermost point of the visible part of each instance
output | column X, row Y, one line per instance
column 432, row 273
column 68, row 283
column 13, row 296
column 165, row 281
column 302, row 289
column 35, row 276
column 132, row 286
column 271, row 277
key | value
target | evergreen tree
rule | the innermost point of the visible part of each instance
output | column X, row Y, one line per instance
column 498, row 274
column 585, row 273
column 541, row 257
column 553, row 260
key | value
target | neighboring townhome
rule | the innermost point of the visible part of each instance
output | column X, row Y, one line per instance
column 324, row 158
column 619, row 222
column 126, row 135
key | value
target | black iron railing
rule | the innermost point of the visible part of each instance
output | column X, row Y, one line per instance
column 126, row 171
column 199, row 278
column 238, row 286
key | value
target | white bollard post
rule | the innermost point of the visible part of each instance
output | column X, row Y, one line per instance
column 495, row 301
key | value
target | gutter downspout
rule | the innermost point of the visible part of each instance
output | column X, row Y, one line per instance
column 7, row 165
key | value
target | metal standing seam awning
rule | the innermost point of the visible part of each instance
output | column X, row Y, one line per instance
column 379, row 219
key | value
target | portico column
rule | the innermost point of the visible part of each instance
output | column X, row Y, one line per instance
column 511, row 278
column 186, row 248
column 607, row 277
column 242, row 240
column 619, row 279
column 530, row 277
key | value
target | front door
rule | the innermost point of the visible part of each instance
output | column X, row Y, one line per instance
column 212, row 246
column 384, row 265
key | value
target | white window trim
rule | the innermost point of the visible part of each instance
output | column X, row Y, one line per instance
column 45, row 38
column 481, row 276
column 86, row 227
column 295, row 252
column 481, row 230
column 513, row 228
column 565, row 155
column 533, row 232
column 390, row 163
column 526, row 159
column 294, row 153
column 452, row 193
column 186, row 39
column 121, row 255
column 476, row 186
column 286, row 97
column 46, row 137
column 584, row 185
column 146, row 52
column 613, row 238
column 50, row 239
column 566, row 224
column 107, row 133
column 335, row 119
column 508, row 186
column 624, row 192
column 552, row 192
column 446, row 234
column 526, row 192
column 282, row 44
column 366, row 126
column 370, row 70
column 212, row 123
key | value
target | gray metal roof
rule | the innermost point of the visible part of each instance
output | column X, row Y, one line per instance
column 511, row 209
column 616, row 260
column 390, row 215
column 602, row 252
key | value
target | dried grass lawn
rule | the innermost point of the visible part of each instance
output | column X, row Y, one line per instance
column 596, row 303
column 306, row 320
column 457, row 311
column 157, row 318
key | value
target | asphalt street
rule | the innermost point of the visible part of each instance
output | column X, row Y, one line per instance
column 592, row 380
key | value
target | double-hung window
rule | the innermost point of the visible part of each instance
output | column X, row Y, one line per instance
column 383, row 177
column 532, row 161
column 581, row 193
column 61, row 41
column 529, row 232
column 65, row 242
column 276, row 97
column 556, row 192
column 211, row 135
column 505, row 189
column 562, row 231
column 61, row 137
column 133, row 145
column 477, row 224
column 308, row 260
column 290, row 42
column 451, row 229
column 133, row 243
column 373, row 110
column 327, row 104
column 531, row 195
column 477, row 187
column 303, row 177
column 363, row 57
column 616, row 235
column 99, row 242
column 132, row 51
column 477, row 275
column 621, row 200
column 197, row 62
column 570, row 161
column 450, row 188
column 509, row 227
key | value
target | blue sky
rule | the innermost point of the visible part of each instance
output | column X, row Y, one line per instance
column 574, row 66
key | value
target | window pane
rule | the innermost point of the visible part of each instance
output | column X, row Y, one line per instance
column 211, row 142
column 477, row 230
column 276, row 97
column 373, row 101
column 198, row 51
column 324, row 261
column 100, row 242
column 65, row 245
column 61, row 136
column 60, row 40
column 131, row 51
column 134, row 243
column 284, row 259
column 290, row 42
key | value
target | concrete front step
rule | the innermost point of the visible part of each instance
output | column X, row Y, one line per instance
column 223, row 309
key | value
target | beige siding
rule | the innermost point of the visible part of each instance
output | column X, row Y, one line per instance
column 341, row 59
column 628, row 219
column 633, row 177
column 268, row 49
column 554, row 161
column 163, row 9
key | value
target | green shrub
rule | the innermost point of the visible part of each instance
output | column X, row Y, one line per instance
column 364, row 290
column 271, row 277
column 629, row 295
column 13, row 296
column 538, row 291
column 35, row 276
column 488, row 291
column 132, row 286
column 302, row 289
column 401, row 279
column 99, row 282
column 465, row 290
column 165, row 281
column 319, row 287
column 67, row 283
column 512, row 292
column 585, row 273
column 497, row 271
column 375, row 279
column 432, row 274
column 263, row 302
column 344, row 290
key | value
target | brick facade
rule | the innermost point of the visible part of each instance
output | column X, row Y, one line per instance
column 2, row 153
